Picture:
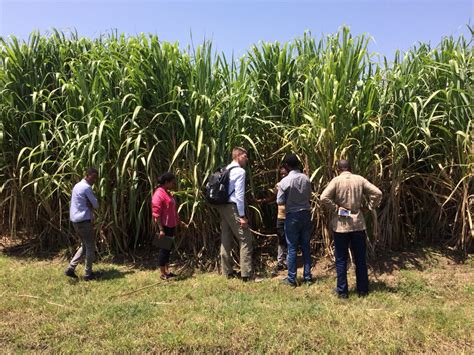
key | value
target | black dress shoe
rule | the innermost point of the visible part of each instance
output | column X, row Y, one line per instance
column 287, row 282
column 362, row 294
column 92, row 276
column 70, row 273
column 341, row 295
column 247, row 278
column 232, row 275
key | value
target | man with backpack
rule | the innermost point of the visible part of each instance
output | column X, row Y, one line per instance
column 226, row 189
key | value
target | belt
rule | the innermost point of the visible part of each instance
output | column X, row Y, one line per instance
column 87, row 220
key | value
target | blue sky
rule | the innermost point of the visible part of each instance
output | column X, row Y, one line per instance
column 235, row 25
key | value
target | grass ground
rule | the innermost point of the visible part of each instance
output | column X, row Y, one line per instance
column 417, row 304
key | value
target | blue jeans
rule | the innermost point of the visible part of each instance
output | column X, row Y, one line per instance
column 356, row 240
column 298, row 229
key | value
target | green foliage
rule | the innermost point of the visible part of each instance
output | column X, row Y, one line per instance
column 135, row 107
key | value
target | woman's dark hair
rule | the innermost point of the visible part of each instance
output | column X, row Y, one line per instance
column 166, row 177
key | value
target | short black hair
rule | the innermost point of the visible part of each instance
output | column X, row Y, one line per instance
column 343, row 165
column 91, row 171
column 291, row 161
column 166, row 177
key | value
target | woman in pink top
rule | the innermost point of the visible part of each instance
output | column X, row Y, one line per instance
column 165, row 216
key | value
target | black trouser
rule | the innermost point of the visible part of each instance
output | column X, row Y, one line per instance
column 280, row 227
column 356, row 241
column 282, row 245
column 164, row 254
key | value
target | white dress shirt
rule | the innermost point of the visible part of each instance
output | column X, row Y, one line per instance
column 80, row 210
column 237, row 187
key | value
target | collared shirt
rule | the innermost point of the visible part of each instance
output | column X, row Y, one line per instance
column 347, row 190
column 294, row 191
column 237, row 187
column 163, row 206
column 79, row 211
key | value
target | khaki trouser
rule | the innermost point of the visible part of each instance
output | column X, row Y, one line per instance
column 230, row 227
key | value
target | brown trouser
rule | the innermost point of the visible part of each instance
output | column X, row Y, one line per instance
column 230, row 228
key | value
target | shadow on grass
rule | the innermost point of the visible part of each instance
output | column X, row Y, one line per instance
column 112, row 274
column 418, row 258
column 185, row 273
column 30, row 248
column 378, row 286
column 106, row 274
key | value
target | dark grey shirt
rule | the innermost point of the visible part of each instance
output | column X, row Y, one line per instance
column 294, row 191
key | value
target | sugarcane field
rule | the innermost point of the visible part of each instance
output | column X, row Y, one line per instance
column 309, row 193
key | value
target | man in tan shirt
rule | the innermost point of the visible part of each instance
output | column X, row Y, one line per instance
column 344, row 198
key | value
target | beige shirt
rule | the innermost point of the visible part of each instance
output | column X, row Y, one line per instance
column 281, row 208
column 348, row 190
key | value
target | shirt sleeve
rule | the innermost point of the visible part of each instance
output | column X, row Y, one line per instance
column 328, row 195
column 156, row 208
column 240, row 193
column 373, row 194
column 92, row 199
column 281, row 196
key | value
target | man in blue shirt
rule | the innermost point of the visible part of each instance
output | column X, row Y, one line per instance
column 81, row 215
column 294, row 192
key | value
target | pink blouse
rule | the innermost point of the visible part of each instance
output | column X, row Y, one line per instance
column 163, row 206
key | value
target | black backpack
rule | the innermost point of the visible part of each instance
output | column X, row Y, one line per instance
column 217, row 187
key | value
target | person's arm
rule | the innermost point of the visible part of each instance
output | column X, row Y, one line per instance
column 281, row 195
column 240, row 197
column 240, row 193
column 373, row 193
column 327, row 197
column 91, row 199
column 156, row 210
column 178, row 218
column 270, row 199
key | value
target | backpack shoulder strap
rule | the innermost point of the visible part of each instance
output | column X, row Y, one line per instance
column 232, row 167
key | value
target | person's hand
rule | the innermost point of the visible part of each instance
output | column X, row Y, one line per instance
column 161, row 234
column 244, row 222
column 183, row 224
